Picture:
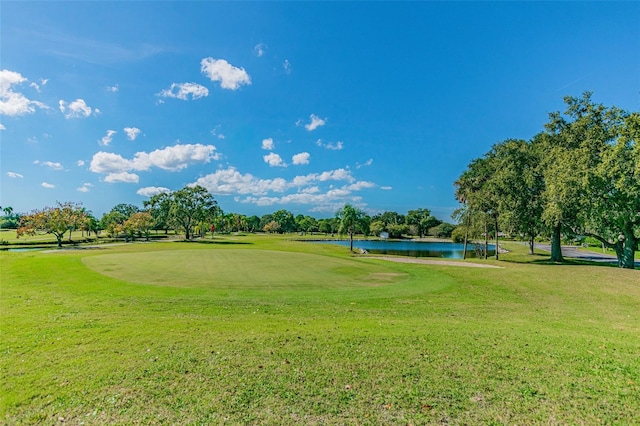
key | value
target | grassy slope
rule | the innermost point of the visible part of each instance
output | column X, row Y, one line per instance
column 530, row 343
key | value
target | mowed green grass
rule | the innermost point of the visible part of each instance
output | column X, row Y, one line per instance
column 261, row 330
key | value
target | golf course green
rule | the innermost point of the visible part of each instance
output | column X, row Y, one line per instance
column 264, row 330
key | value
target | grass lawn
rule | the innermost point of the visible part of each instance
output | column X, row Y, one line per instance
column 262, row 330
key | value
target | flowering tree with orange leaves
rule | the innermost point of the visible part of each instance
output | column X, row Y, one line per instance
column 53, row 220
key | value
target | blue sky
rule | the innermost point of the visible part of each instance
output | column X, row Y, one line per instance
column 302, row 106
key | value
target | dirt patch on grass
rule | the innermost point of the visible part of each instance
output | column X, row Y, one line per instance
column 435, row 262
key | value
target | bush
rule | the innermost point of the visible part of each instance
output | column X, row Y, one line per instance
column 458, row 234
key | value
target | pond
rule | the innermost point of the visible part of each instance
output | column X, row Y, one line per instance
column 16, row 250
column 413, row 248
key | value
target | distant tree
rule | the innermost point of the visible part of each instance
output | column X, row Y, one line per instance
column 397, row 230
column 350, row 219
column 422, row 220
column 376, row 227
column 285, row 219
column 272, row 227
column 140, row 222
column 443, row 230
column 159, row 206
column 253, row 223
column 191, row 205
column 52, row 220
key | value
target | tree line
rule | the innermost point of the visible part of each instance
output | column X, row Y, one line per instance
column 579, row 177
column 194, row 212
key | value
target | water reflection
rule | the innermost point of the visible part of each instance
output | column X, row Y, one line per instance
column 415, row 248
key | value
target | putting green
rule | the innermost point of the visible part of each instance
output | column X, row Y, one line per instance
column 247, row 269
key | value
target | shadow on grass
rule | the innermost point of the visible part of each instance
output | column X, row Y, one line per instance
column 214, row 242
column 542, row 259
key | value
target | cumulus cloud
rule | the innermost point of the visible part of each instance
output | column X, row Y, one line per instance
column 260, row 49
column 150, row 191
column 173, row 158
column 315, row 122
column 113, row 88
column 84, row 188
column 14, row 103
column 386, row 188
column 122, row 177
column 301, row 158
column 267, row 192
column 76, row 109
column 332, row 146
column 229, row 181
column 360, row 185
column 47, row 185
column 106, row 139
column 230, row 77
column 80, row 163
column 274, row 160
column 2, row 127
column 132, row 133
column 183, row 90
column 14, row 175
column 267, row 144
column 49, row 164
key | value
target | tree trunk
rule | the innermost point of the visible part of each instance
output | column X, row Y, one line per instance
column 627, row 258
column 351, row 241
column 486, row 239
column 59, row 237
column 466, row 239
column 556, row 248
column 531, row 244
column 497, row 249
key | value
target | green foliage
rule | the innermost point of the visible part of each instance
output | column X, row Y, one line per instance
column 457, row 236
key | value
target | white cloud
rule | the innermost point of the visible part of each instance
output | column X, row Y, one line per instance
column 286, row 66
column 230, row 181
column 336, row 147
column 85, row 187
column 108, row 162
column 122, row 177
column 2, row 127
column 183, row 90
column 113, row 88
column 260, row 49
column 106, row 139
column 315, row 122
column 215, row 133
column 386, row 188
column 47, row 185
column 220, row 70
column 365, row 164
column 15, row 103
column 37, row 86
column 14, row 175
column 274, row 160
column 76, row 109
column 360, row 185
column 150, row 191
column 173, row 158
column 267, row 144
column 132, row 133
column 301, row 158
column 330, row 175
column 253, row 190
column 50, row 164
column 80, row 163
